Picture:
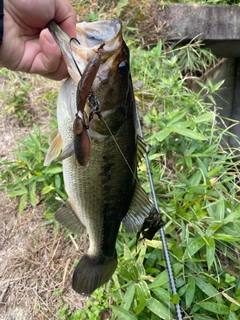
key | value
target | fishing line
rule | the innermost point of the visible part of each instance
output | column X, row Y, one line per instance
column 161, row 230
column 71, row 53
column 120, row 150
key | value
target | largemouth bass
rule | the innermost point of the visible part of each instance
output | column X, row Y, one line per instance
column 104, row 191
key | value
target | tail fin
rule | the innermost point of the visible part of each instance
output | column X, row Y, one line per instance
column 92, row 272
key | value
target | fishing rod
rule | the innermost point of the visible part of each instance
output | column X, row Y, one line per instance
column 161, row 230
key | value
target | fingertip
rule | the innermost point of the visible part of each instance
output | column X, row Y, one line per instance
column 46, row 35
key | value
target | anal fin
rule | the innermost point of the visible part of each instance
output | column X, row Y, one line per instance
column 69, row 220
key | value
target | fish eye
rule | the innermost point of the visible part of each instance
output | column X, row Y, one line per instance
column 123, row 68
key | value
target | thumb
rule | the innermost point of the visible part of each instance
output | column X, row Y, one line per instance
column 49, row 61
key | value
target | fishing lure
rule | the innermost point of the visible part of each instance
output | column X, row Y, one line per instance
column 82, row 141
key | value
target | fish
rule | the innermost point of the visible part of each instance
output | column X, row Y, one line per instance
column 103, row 188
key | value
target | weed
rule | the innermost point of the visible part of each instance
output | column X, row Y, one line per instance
column 28, row 179
column 16, row 102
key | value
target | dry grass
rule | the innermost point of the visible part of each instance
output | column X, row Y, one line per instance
column 36, row 266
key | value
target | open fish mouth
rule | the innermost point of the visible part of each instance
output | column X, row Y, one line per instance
column 90, row 36
column 93, row 34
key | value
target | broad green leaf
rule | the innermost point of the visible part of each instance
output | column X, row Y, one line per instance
column 140, row 306
column 194, row 246
column 217, row 86
column 233, row 316
column 188, row 160
column 142, row 290
column 122, row 313
column 154, row 243
column 35, row 140
column 142, row 294
column 190, row 292
column 210, row 255
column 57, row 181
column 36, row 130
column 211, row 280
column 189, row 133
column 213, row 307
column 123, row 272
column 61, row 193
column 27, row 143
column 141, row 255
column 52, row 170
column 213, row 228
column 159, row 309
column 22, row 203
column 161, row 135
column 32, row 193
column 128, row 297
column 195, row 179
column 177, row 267
column 214, row 171
column 232, row 216
column 160, row 280
column 203, row 166
column 226, row 237
column 208, row 289
column 162, row 294
column 220, row 210
column 47, row 189
column 208, row 116
column 177, row 117
column 175, row 298
column 18, row 192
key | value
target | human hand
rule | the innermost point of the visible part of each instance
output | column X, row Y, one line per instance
column 27, row 46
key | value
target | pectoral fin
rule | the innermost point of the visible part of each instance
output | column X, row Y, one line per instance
column 67, row 152
column 138, row 211
column 142, row 216
column 55, row 146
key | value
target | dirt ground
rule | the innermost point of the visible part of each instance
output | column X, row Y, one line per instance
column 36, row 262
